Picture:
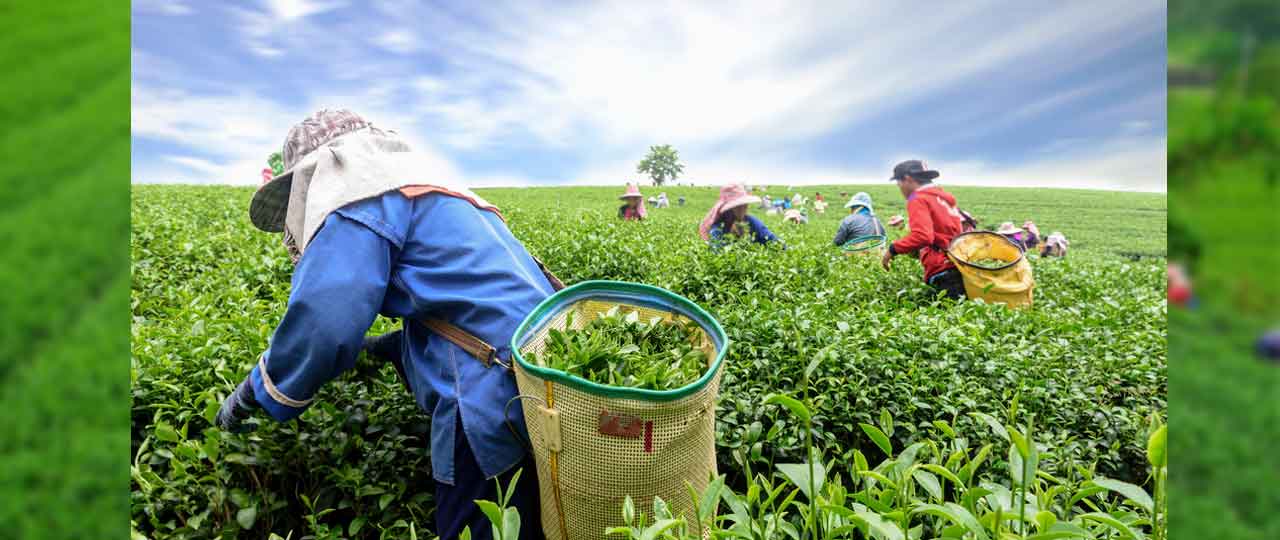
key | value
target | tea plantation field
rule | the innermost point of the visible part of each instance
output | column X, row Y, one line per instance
column 927, row 389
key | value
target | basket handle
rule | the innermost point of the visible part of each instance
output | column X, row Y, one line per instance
column 506, row 411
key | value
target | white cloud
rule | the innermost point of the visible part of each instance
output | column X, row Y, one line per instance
column 227, row 138
column 294, row 9
column 202, row 165
column 265, row 51
column 266, row 32
column 1120, row 163
column 398, row 41
column 162, row 7
column 1137, row 126
column 689, row 73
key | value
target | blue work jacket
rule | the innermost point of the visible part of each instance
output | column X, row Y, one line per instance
column 433, row 256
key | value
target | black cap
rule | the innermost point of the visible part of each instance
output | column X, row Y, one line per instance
column 914, row 167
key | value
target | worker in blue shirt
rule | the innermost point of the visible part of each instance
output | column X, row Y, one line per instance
column 435, row 255
column 729, row 219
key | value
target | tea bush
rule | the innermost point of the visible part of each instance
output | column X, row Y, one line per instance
column 1088, row 361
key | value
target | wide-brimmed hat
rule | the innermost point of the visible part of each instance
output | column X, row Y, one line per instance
column 860, row 199
column 632, row 191
column 742, row 199
column 271, row 202
column 731, row 196
column 914, row 168
column 1008, row 228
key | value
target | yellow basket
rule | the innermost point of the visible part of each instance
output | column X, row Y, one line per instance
column 596, row 444
column 1011, row 284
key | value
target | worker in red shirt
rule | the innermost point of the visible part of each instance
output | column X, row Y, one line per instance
column 934, row 221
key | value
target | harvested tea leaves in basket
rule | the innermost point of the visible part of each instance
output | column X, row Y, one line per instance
column 988, row 263
column 620, row 349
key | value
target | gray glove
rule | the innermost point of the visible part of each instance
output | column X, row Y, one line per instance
column 388, row 347
column 236, row 408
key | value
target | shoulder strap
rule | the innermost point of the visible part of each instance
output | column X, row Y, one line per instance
column 480, row 349
column 474, row 346
column 556, row 284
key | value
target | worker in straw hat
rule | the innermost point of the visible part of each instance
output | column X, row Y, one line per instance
column 1027, row 237
column 375, row 229
column 1055, row 245
column 632, row 208
column 934, row 221
column 728, row 219
column 797, row 217
column 860, row 222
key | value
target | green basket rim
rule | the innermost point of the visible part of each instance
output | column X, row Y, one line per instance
column 881, row 237
column 604, row 390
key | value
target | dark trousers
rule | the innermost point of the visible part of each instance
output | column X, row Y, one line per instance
column 456, row 507
column 949, row 281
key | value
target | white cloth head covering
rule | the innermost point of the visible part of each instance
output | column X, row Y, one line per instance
column 357, row 166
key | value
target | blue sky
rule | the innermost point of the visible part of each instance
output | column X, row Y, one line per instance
column 1036, row 93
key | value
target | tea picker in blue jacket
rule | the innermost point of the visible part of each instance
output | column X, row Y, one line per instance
column 373, row 229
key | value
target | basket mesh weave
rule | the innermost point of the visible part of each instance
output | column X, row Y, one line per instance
column 583, row 484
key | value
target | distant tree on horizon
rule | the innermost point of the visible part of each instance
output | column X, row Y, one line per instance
column 662, row 164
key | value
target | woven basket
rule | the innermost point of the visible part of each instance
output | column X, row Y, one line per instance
column 1011, row 284
column 583, row 473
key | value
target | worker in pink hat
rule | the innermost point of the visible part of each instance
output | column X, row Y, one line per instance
column 633, row 207
column 728, row 219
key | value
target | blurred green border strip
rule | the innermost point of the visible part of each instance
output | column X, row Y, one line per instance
column 1224, row 211
column 64, row 360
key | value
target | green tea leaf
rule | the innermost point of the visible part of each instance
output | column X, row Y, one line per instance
column 798, row 474
column 880, row 527
column 943, row 472
column 994, row 424
column 654, row 531
column 929, row 482
column 357, row 523
column 797, row 408
column 492, row 511
column 877, row 437
column 165, row 432
column 511, row 523
column 886, row 422
column 956, row 514
column 1129, row 491
column 1157, row 447
column 246, row 516
column 1112, row 522
column 945, row 428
